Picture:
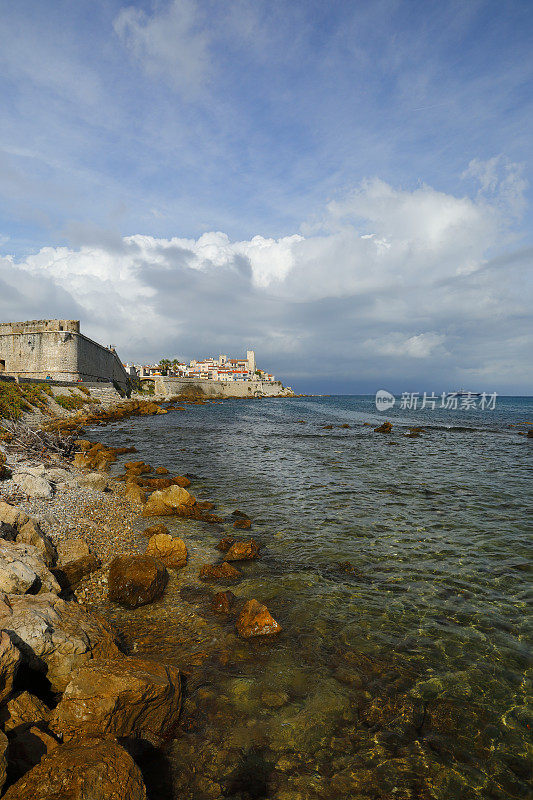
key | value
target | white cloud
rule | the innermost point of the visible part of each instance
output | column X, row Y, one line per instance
column 170, row 43
column 419, row 288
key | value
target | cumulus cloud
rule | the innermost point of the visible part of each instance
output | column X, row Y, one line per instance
column 392, row 281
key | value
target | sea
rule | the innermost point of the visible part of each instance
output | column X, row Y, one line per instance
column 399, row 568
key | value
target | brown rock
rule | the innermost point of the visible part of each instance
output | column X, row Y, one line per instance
column 385, row 428
column 205, row 505
column 168, row 502
column 222, row 602
column 161, row 471
column 171, row 551
column 242, row 524
column 219, row 573
column 86, row 769
column 120, row 697
column 225, row 543
column 25, row 709
column 152, row 530
column 181, row 480
column 69, row 575
column 83, row 444
column 243, row 551
column 3, row 760
column 10, row 659
column 136, row 580
column 27, row 747
column 135, row 494
column 240, row 514
column 256, row 620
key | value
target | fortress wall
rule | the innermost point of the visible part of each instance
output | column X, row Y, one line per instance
column 36, row 350
column 174, row 386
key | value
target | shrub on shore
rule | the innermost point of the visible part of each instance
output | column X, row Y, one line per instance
column 16, row 398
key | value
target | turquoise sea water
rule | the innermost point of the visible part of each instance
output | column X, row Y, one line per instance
column 399, row 569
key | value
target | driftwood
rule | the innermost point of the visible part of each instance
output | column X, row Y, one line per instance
column 38, row 443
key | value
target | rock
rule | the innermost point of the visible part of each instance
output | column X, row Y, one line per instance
column 5, row 472
column 23, row 710
column 225, row 543
column 69, row 575
column 120, row 697
column 222, row 602
column 136, row 580
column 85, row 769
column 71, row 550
column 135, row 494
column 10, row 658
column 205, row 505
column 7, row 532
column 181, row 480
column 169, row 501
column 138, row 466
column 530, row 433
column 55, row 636
column 94, row 480
column 161, row 471
column 239, row 514
column 274, row 699
column 219, row 573
column 153, row 530
column 27, row 747
column 242, row 524
column 22, row 570
column 28, row 531
column 385, row 428
column 3, row 760
column 243, row 551
column 33, row 485
column 256, row 620
column 59, row 475
column 171, row 551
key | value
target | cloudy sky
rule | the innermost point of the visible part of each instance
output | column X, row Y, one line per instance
column 344, row 186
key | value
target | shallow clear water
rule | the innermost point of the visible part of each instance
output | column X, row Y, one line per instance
column 401, row 674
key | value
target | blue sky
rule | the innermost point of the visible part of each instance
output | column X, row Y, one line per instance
column 361, row 171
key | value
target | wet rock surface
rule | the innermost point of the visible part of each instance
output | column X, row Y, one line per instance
column 171, row 551
column 219, row 573
column 243, row 551
column 256, row 620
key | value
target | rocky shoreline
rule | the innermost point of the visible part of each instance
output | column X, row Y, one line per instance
column 80, row 704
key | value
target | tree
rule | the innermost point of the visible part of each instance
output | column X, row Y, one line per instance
column 165, row 365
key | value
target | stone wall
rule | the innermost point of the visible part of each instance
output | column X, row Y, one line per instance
column 169, row 387
column 56, row 349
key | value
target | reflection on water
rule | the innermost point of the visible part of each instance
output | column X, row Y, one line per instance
column 399, row 574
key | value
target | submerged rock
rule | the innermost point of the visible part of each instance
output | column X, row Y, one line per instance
column 86, row 769
column 242, row 524
column 152, row 530
column 171, row 551
column 243, row 551
column 219, row 573
column 225, row 543
column 120, row 697
column 136, row 580
column 256, row 620
column 222, row 602
column 385, row 428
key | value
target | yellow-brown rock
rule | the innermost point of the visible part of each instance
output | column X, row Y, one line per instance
column 86, row 769
column 219, row 573
column 385, row 428
column 256, row 620
column 135, row 494
column 120, row 697
column 171, row 551
column 243, row 551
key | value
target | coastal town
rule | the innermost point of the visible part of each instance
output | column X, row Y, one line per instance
column 215, row 369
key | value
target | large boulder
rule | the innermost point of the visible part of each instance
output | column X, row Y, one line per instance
column 85, row 769
column 256, row 620
column 55, row 636
column 135, row 494
column 120, row 697
column 94, row 480
column 136, row 580
column 10, row 658
column 27, row 531
column 32, row 481
column 167, row 502
column 3, row 760
column 171, row 551
column 22, row 570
